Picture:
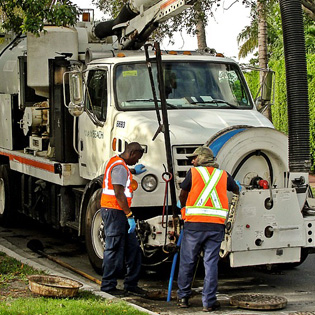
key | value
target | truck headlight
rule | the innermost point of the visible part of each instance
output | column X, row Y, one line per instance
column 149, row 182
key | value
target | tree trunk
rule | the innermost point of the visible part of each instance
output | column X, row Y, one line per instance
column 201, row 31
column 310, row 13
column 201, row 36
column 262, row 48
column 308, row 7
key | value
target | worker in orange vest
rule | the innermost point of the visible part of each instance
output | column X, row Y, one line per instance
column 121, row 244
column 204, row 202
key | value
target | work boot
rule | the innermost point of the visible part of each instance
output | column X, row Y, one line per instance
column 136, row 291
column 116, row 292
column 183, row 302
column 215, row 306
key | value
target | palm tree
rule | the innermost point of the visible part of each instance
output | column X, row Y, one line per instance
column 256, row 36
column 262, row 49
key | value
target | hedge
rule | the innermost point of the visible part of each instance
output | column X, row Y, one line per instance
column 279, row 109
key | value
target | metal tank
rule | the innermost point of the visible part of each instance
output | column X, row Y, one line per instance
column 53, row 42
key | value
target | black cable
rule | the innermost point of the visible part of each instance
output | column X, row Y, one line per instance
column 257, row 153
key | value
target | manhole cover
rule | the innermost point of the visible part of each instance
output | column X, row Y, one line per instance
column 258, row 301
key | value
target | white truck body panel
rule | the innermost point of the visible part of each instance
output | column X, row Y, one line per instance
column 6, row 122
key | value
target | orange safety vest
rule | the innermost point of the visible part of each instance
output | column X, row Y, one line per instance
column 108, row 199
column 207, row 200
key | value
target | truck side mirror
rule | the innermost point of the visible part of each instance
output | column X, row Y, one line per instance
column 267, row 89
column 76, row 105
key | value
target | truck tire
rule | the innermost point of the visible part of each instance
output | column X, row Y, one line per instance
column 7, row 210
column 94, row 231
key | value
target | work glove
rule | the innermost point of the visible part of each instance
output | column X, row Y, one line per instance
column 140, row 168
column 179, row 205
column 132, row 224
column 239, row 185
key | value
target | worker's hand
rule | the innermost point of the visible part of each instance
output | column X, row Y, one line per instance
column 239, row 185
column 179, row 205
column 132, row 224
column 140, row 168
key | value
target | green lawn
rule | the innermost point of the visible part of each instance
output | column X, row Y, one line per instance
column 16, row 299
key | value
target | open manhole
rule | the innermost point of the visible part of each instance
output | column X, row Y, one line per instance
column 160, row 294
column 255, row 301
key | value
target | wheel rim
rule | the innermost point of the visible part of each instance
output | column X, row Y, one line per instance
column 97, row 234
column 2, row 196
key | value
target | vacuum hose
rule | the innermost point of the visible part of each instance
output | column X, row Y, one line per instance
column 170, row 283
column 297, row 89
column 104, row 29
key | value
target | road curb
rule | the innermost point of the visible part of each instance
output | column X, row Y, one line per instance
column 4, row 247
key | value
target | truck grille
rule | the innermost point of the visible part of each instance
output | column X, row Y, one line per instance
column 181, row 163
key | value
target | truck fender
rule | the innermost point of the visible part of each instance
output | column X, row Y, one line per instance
column 89, row 189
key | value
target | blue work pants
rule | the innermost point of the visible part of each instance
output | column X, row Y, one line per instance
column 121, row 249
column 192, row 243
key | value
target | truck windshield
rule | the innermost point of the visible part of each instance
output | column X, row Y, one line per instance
column 186, row 84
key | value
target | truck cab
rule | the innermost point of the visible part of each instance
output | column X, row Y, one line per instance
column 204, row 95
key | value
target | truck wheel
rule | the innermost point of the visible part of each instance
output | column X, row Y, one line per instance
column 94, row 231
column 6, row 205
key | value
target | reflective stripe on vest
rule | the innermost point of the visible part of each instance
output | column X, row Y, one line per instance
column 204, row 203
column 111, row 192
column 108, row 199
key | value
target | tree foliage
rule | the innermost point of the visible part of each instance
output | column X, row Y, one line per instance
column 200, row 12
column 277, row 64
column 279, row 109
column 247, row 39
column 21, row 16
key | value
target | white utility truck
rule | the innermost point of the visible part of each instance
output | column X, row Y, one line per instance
column 52, row 156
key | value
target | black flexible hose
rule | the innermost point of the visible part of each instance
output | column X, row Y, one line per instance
column 257, row 153
column 297, row 89
column 104, row 29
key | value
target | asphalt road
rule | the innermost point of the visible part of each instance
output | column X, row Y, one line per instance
column 296, row 285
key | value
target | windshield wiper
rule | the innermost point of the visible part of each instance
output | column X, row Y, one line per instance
column 216, row 101
column 150, row 100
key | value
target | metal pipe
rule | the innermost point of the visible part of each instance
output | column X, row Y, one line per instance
column 167, row 139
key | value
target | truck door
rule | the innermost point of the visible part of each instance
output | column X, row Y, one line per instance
column 93, row 128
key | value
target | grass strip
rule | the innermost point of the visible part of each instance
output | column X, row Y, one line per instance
column 13, row 271
column 83, row 303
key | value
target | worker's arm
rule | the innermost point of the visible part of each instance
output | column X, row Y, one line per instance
column 185, row 189
column 121, row 198
column 233, row 185
column 123, row 203
column 139, row 169
column 183, row 197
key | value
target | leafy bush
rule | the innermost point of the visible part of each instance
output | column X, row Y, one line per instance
column 279, row 109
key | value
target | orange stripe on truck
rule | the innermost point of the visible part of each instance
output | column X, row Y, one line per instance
column 166, row 4
column 22, row 160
